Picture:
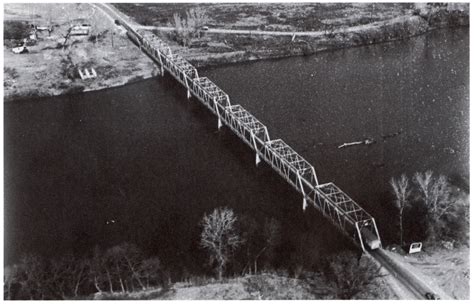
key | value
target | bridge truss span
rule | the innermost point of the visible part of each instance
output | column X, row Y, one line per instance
column 247, row 127
column 344, row 202
column 290, row 164
column 329, row 199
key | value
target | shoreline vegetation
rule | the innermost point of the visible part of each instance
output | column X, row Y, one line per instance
column 117, row 61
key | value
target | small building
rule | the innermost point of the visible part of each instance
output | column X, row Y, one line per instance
column 82, row 29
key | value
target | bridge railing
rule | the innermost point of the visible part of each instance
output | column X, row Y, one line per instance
column 329, row 199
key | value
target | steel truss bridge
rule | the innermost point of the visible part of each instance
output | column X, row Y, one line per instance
column 329, row 199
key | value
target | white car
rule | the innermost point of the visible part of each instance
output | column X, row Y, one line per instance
column 21, row 49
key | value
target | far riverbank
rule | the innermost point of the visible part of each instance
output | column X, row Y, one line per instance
column 51, row 69
column 269, row 31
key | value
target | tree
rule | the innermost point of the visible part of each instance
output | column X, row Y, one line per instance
column 259, row 241
column 99, row 273
column 151, row 272
column 272, row 235
column 189, row 27
column 435, row 192
column 67, row 274
column 351, row 275
column 122, row 265
column 11, row 285
column 402, row 193
column 251, row 236
column 435, row 195
column 196, row 18
column 32, row 277
column 219, row 237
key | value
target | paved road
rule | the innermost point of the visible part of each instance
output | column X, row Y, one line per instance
column 114, row 14
column 414, row 285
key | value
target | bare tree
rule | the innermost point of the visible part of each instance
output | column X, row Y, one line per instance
column 33, row 277
column 131, row 257
column 435, row 192
column 424, row 180
column 178, row 23
column 219, row 237
column 196, row 18
column 436, row 197
column 402, row 193
column 10, row 278
column 251, row 240
column 189, row 27
column 99, row 273
column 272, row 234
column 67, row 274
column 151, row 272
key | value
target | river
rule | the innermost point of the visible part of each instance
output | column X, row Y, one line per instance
column 142, row 164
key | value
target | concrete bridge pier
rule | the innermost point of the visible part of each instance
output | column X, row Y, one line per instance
column 219, row 121
column 305, row 204
column 187, row 86
column 162, row 69
column 257, row 159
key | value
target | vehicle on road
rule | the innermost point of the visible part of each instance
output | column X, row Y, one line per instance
column 432, row 296
column 371, row 241
column 21, row 48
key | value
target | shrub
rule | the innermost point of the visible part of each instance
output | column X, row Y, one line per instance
column 258, row 286
column 350, row 275
column 16, row 30
column 11, row 72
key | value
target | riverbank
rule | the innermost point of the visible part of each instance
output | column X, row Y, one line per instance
column 51, row 67
column 266, row 31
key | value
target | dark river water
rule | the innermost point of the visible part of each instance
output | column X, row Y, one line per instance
column 142, row 164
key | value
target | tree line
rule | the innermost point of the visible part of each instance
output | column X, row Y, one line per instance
column 125, row 268
column 122, row 268
column 241, row 245
column 234, row 246
column 443, row 214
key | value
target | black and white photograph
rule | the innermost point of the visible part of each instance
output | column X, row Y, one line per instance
column 219, row 150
